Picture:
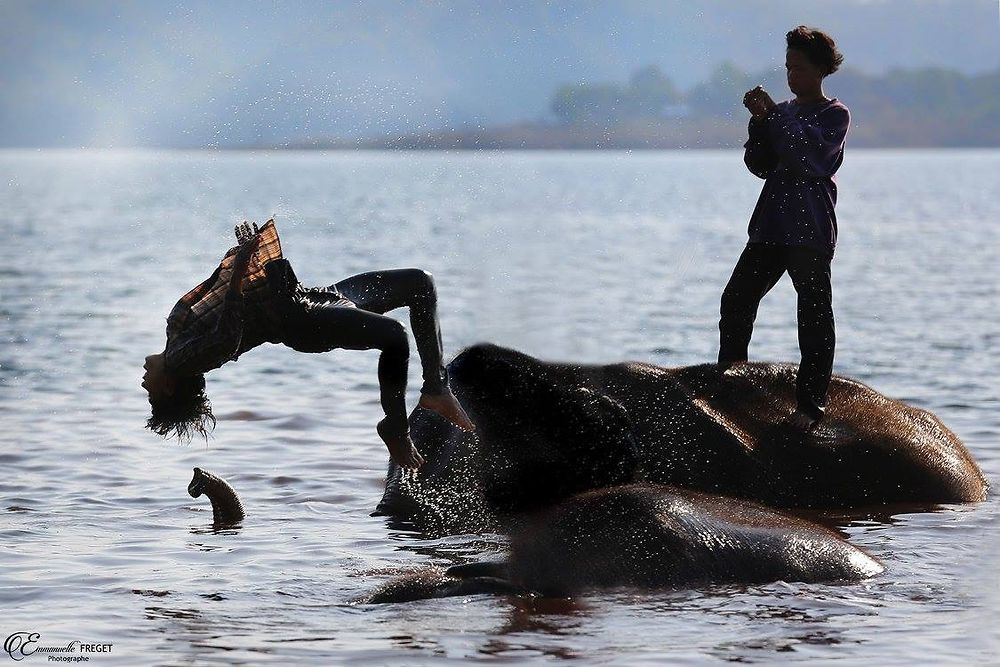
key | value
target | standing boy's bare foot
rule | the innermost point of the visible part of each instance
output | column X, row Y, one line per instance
column 401, row 448
column 446, row 405
column 800, row 421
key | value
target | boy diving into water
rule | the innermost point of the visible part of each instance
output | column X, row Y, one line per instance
column 253, row 297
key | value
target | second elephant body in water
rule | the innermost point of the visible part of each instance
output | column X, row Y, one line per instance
column 648, row 536
column 654, row 536
column 548, row 430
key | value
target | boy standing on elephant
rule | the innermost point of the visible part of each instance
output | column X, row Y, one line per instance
column 797, row 147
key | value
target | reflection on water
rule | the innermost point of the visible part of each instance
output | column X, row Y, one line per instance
column 593, row 257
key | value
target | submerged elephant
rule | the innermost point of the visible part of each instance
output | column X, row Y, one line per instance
column 648, row 536
column 549, row 430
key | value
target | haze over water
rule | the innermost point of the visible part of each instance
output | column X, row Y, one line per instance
column 591, row 257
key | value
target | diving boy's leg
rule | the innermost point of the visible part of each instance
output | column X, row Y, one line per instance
column 401, row 448
column 446, row 405
column 382, row 291
column 810, row 272
column 757, row 271
column 326, row 327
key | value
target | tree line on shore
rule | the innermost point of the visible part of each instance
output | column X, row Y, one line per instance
column 927, row 107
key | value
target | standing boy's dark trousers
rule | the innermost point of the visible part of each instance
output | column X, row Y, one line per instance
column 757, row 271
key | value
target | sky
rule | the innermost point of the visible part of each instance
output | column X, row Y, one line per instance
column 193, row 74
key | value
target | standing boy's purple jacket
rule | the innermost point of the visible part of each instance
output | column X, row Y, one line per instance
column 797, row 148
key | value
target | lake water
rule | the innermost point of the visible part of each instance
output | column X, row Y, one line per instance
column 595, row 257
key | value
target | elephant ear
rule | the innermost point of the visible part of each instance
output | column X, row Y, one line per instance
column 598, row 429
column 590, row 437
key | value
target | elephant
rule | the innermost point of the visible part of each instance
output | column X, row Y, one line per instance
column 546, row 431
column 647, row 536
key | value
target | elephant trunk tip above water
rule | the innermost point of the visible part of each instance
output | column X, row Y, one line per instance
column 227, row 509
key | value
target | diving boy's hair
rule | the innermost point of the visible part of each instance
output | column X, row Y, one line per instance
column 817, row 46
column 185, row 414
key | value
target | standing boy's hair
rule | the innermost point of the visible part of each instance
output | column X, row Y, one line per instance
column 817, row 46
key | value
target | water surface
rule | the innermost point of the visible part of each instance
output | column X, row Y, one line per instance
column 594, row 257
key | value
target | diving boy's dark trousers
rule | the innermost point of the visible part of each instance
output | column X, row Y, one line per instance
column 323, row 323
column 757, row 271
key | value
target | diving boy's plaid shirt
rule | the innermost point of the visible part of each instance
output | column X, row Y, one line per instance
column 206, row 327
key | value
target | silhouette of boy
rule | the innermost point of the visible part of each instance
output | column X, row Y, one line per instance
column 796, row 146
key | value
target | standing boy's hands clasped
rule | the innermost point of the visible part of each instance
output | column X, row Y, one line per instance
column 758, row 102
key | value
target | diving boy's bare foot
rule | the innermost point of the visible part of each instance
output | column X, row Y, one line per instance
column 447, row 406
column 401, row 448
column 801, row 421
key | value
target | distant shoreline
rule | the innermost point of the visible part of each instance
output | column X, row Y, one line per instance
column 727, row 132
column 353, row 149
column 685, row 134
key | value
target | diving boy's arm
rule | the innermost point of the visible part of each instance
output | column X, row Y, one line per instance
column 201, row 352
